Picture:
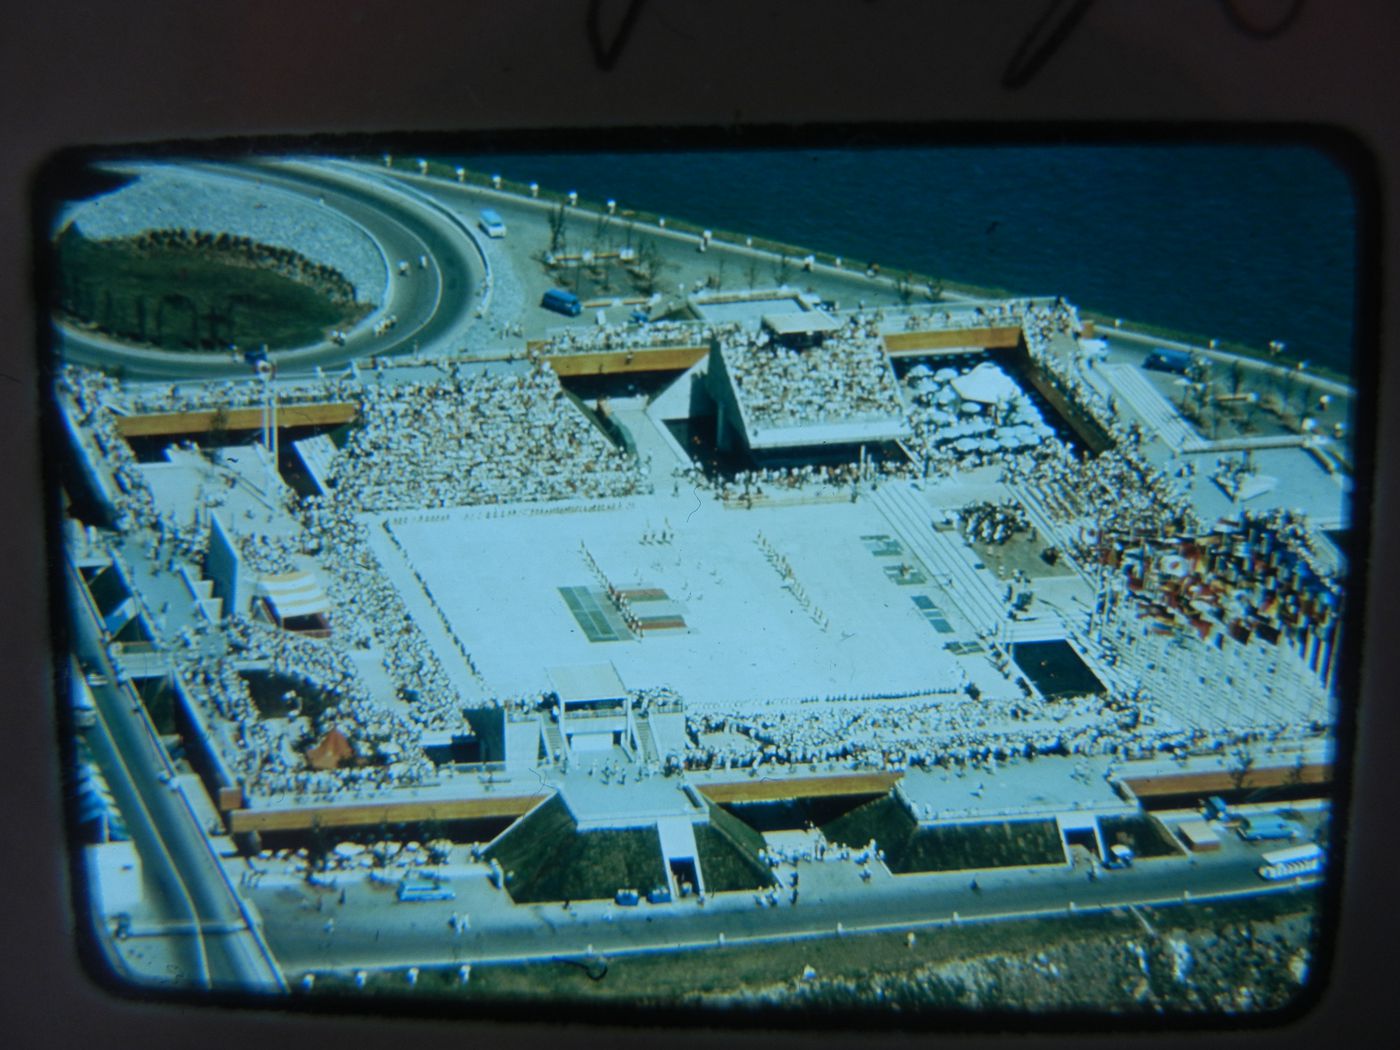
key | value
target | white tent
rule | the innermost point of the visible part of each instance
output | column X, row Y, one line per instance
column 986, row 383
column 294, row 594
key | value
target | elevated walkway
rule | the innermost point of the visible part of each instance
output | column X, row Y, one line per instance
column 372, row 814
column 951, row 341
column 1206, row 781
column 619, row 362
column 201, row 421
column 776, row 788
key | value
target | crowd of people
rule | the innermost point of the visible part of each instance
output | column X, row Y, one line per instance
column 230, row 394
column 385, row 745
column 759, row 482
column 847, row 379
column 369, row 613
column 475, row 438
column 269, row 555
column 988, row 522
column 995, row 314
column 93, row 395
column 657, row 334
column 1114, row 493
column 957, row 733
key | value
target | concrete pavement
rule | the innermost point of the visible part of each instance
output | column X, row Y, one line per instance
column 372, row 930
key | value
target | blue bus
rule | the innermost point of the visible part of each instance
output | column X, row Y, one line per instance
column 562, row 302
column 1161, row 359
column 1269, row 826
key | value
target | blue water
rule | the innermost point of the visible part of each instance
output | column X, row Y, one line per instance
column 1246, row 243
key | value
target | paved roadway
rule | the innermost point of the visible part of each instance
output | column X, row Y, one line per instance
column 165, row 893
column 430, row 304
column 173, row 847
column 309, row 930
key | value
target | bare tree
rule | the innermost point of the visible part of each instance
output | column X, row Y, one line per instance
column 557, row 222
column 782, row 267
column 648, row 268
column 1241, row 762
column 1236, row 376
column 1295, row 773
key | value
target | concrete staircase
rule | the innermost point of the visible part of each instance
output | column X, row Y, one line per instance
column 944, row 554
column 553, row 741
column 646, row 741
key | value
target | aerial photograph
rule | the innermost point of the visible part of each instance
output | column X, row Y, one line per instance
column 889, row 580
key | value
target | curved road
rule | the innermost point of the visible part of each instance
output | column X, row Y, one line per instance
column 223, row 952
column 429, row 304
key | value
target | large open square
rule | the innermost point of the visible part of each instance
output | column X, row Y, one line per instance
column 749, row 634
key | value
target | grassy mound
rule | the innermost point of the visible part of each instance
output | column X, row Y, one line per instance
column 728, row 850
column 180, row 290
column 1143, row 833
column 546, row 858
column 884, row 820
column 951, row 847
column 1000, row 844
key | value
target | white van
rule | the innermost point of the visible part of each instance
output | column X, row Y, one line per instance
column 491, row 223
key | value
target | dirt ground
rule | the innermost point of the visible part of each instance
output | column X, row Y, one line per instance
column 1166, row 962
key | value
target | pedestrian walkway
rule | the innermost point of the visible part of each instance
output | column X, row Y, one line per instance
column 661, row 457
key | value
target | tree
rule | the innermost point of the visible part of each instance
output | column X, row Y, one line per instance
column 318, row 846
column 1236, row 376
column 782, row 267
column 1295, row 773
column 557, row 222
column 648, row 267
column 219, row 427
column 1241, row 762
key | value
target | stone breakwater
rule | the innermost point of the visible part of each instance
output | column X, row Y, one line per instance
column 168, row 199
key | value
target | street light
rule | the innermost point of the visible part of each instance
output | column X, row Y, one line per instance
column 266, row 370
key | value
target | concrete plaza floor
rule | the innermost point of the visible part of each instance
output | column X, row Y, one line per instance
column 496, row 578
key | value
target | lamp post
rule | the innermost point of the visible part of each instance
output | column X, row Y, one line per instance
column 266, row 371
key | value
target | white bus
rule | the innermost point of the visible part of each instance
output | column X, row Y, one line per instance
column 491, row 223
column 1292, row 862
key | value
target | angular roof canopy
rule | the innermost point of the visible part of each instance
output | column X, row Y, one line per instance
column 579, row 682
column 802, row 322
column 294, row 594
